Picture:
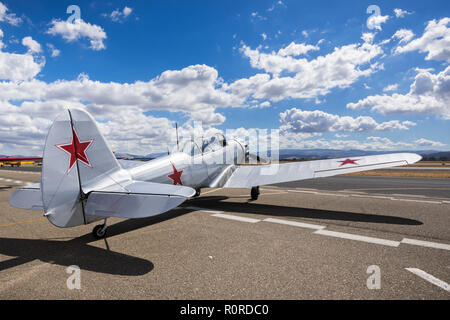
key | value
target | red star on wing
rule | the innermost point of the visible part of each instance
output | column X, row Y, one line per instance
column 176, row 176
column 80, row 148
column 348, row 161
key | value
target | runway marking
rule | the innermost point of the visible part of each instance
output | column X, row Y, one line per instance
column 268, row 194
column 426, row 244
column 22, row 222
column 295, row 223
column 320, row 193
column 428, row 277
column 211, row 191
column 238, row 218
column 203, row 209
column 370, row 196
column 413, row 200
column 358, row 238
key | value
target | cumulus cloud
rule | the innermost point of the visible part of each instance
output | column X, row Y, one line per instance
column 297, row 120
column 79, row 29
column 404, row 35
column 428, row 94
column 119, row 15
column 399, row 13
column 32, row 45
column 435, row 41
column 8, row 17
column 375, row 21
column 311, row 78
column 18, row 67
column 53, row 51
column 428, row 143
column 391, row 87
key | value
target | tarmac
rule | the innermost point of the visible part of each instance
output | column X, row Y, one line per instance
column 345, row 237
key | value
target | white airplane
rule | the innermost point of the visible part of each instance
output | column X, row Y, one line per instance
column 82, row 181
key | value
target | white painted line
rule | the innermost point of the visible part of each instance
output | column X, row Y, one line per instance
column 358, row 238
column 446, row 201
column 203, row 209
column 272, row 193
column 303, row 191
column 8, row 180
column 295, row 223
column 231, row 217
column 428, row 277
column 421, row 201
column 264, row 189
column 18, row 181
column 333, row 194
column 426, row 244
column 375, row 197
column 203, row 193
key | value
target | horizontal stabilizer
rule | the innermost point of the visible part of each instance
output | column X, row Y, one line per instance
column 136, row 199
column 28, row 197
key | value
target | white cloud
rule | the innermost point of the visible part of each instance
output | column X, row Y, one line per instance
column 18, row 67
column 33, row 45
column 391, row 87
column 77, row 30
column 264, row 36
column 428, row 94
column 119, row 15
column 296, row 49
column 54, row 52
column 435, row 41
column 399, row 13
column 375, row 21
column 428, row 143
column 8, row 17
column 297, row 120
column 312, row 78
column 404, row 35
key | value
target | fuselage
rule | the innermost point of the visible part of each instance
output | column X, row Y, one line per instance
column 196, row 171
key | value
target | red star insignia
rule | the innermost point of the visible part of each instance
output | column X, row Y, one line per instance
column 348, row 161
column 80, row 148
column 176, row 176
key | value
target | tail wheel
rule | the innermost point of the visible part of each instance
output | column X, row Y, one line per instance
column 99, row 231
column 254, row 193
column 197, row 192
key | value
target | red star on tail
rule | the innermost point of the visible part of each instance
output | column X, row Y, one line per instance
column 176, row 176
column 80, row 148
column 348, row 161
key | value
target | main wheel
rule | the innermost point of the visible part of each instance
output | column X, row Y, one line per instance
column 197, row 192
column 254, row 193
column 99, row 231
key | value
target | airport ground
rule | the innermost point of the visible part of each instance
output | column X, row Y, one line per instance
column 314, row 239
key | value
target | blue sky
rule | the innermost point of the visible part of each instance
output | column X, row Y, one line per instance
column 319, row 72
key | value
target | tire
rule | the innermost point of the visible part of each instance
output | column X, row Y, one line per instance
column 99, row 232
column 254, row 193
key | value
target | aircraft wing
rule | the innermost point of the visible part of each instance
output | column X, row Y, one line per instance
column 258, row 175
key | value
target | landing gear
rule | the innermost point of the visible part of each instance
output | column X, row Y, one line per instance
column 99, row 231
column 197, row 192
column 254, row 193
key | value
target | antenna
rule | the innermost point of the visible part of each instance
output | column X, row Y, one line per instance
column 176, row 129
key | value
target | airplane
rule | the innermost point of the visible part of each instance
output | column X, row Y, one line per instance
column 83, row 182
column 19, row 161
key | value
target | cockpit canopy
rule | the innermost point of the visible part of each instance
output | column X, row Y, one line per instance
column 203, row 145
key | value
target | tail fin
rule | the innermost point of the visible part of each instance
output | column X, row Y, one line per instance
column 76, row 156
column 83, row 182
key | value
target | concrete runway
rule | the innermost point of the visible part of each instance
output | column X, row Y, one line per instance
column 317, row 239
